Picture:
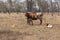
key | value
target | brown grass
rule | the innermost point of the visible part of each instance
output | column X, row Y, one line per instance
column 14, row 27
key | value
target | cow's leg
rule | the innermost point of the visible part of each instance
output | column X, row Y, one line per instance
column 31, row 21
column 40, row 21
column 28, row 22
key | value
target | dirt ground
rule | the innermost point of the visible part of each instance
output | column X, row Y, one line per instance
column 14, row 27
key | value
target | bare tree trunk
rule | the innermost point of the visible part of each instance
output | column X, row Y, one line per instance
column 29, row 5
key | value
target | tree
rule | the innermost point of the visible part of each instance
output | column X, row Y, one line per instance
column 29, row 5
column 43, row 5
column 3, row 7
column 9, row 5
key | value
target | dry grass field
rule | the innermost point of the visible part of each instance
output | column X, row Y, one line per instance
column 14, row 27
